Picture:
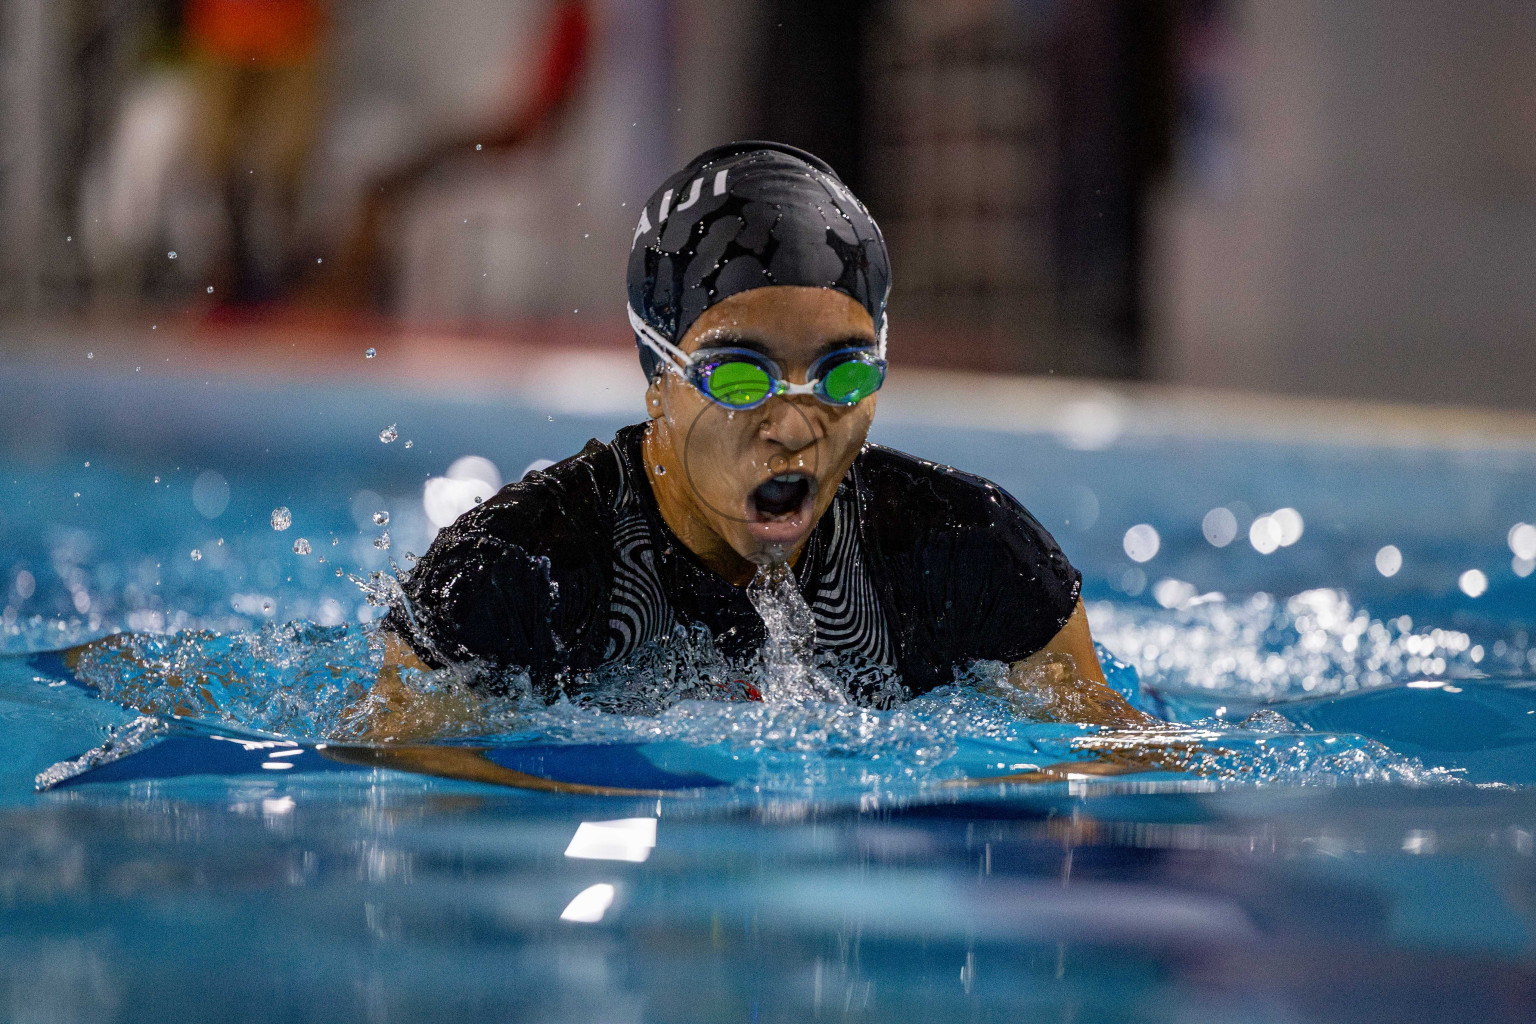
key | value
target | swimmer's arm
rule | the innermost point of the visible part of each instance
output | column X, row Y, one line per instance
column 1066, row 674
column 395, row 715
column 392, row 712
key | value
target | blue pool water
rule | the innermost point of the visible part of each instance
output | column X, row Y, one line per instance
column 1340, row 827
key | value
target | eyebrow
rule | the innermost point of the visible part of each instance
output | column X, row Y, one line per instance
column 726, row 340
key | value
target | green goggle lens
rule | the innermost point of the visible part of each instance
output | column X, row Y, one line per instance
column 852, row 381
column 738, row 383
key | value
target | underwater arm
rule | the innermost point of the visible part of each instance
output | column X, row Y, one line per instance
column 393, row 711
column 1066, row 676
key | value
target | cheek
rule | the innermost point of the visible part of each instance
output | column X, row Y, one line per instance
column 849, row 429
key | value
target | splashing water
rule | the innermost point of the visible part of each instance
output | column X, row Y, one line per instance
column 790, row 675
column 789, row 721
column 309, row 682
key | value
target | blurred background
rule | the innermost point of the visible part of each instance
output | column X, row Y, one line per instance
column 1321, row 197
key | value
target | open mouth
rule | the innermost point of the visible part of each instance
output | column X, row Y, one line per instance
column 781, row 495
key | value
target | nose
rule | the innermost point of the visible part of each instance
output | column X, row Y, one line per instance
column 791, row 422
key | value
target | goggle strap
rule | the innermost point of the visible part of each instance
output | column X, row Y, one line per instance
column 678, row 359
column 673, row 356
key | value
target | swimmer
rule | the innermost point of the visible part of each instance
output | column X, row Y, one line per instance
column 757, row 291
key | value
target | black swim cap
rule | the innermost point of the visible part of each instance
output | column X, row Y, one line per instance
column 743, row 216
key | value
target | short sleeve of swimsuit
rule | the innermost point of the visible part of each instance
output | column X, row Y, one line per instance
column 970, row 573
column 480, row 596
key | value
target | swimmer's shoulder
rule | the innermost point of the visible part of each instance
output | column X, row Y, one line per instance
column 563, row 511
column 915, row 494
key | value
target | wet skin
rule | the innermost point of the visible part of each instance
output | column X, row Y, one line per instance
column 714, row 458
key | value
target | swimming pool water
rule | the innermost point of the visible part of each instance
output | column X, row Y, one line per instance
column 1354, row 847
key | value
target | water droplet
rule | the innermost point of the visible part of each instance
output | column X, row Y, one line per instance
column 661, row 470
column 410, row 444
column 478, row 147
column 90, row 355
column 197, row 556
column 281, row 518
column 410, row 557
column 319, row 259
column 338, row 570
column 87, row 465
column 335, row 541
column 381, row 519
column 301, row 546
column 171, row 255
column 382, row 541
column 69, row 238
column 587, row 235
column 266, row 606
column 388, row 434
column 550, row 418
column 221, row 542
column 370, row 353
column 210, row 289
column 77, row 494
column 157, row 479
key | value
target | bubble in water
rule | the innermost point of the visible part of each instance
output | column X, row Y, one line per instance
column 1219, row 527
column 661, row 470
column 410, row 444
column 388, row 434
column 382, row 541
column 381, row 519
column 210, row 494
column 1141, row 542
column 1389, row 560
column 1473, row 582
column 335, row 541
column 281, row 518
column 77, row 494
column 171, row 255
column 90, row 355
column 370, row 353
column 197, row 556
column 1265, row 535
column 301, row 546
column 210, row 289
column 157, row 479
column 338, row 570
column 479, row 146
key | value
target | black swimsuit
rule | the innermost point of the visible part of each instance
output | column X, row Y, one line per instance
column 915, row 567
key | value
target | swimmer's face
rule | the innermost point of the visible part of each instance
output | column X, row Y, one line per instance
column 759, row 479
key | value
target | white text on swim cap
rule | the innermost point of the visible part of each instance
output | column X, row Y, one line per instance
column 666, row 204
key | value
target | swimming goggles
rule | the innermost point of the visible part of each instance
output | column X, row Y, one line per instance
column 740, row 379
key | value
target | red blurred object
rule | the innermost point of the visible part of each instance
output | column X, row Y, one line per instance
column 564, row 54
column 270, row 33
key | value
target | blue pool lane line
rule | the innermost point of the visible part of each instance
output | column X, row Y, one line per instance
column 618, row 765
